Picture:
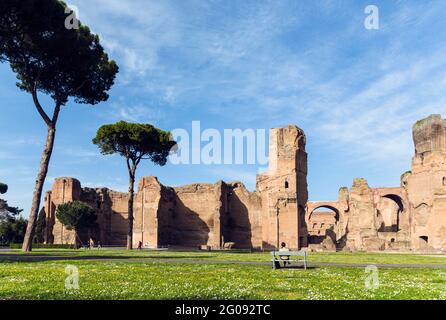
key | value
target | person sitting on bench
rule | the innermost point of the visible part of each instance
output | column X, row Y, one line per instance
column 283, row 248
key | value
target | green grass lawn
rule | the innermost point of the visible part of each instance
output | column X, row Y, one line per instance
column 137, row 275
column 330, row 257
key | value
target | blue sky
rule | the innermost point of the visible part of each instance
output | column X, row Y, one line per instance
column 246, row 64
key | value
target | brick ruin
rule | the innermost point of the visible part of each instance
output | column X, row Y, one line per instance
column 227, row 215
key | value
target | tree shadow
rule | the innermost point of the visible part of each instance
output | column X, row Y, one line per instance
column 5, row 258
column 111, row 226
column 186, row 228
column 236, row 223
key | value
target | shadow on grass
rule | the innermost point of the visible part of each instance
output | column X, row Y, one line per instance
column 55, row 257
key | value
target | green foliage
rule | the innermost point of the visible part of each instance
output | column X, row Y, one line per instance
column 12, row 230
column 3, row 188
column 48, row 57
column 135, row 141
column 405, row 174
column 76, row 215
column 39, row 236
column 5, row 210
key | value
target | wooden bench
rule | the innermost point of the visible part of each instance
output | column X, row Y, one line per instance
column 298, row 255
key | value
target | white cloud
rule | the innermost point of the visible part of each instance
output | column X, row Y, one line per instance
column 134, row 113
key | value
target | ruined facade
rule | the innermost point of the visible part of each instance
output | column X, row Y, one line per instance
column 409, row 217
column 200, row 215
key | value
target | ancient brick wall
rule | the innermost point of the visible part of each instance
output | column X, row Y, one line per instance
column 198, row 215
column 426, row 184
column 195, row 218
column 283, row 190
column 111, row 208
column 409, row 217
column 241, row 217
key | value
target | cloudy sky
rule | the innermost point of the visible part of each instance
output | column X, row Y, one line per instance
column 246, row 64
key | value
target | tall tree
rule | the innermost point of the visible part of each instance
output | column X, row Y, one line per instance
column 135, row 142
column 39, row 236
column 60, row 62
column 5, row 210
column 76, row 216
column 12, row 228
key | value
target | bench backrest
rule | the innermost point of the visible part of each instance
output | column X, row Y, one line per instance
column 288, row 253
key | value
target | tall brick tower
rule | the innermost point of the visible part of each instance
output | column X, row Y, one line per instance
column 426, row 184
column 64, row 190
column 283, row 190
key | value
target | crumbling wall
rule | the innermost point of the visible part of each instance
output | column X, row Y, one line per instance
column 283, row 190
column 241, row 220
column 412, row 216
column 64, row 190
column 110, row 206
column 426, row 184
column 149, row 220
column 195, row 218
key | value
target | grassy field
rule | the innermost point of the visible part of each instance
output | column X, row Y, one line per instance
column 107, row 274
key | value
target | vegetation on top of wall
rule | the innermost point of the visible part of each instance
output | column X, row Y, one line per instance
column 405, row 173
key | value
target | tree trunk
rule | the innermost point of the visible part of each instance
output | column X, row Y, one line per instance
column 130, row 208
column 41, row 176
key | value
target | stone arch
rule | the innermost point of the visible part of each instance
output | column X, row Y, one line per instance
column 322, row 225
column 398, row 199
column 333, row 206
column 396, row 194
column 391, row 216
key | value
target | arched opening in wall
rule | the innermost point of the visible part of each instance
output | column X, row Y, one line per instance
column 389, row 210
column 423, row 242
column 321, row 223
column 287, row 185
